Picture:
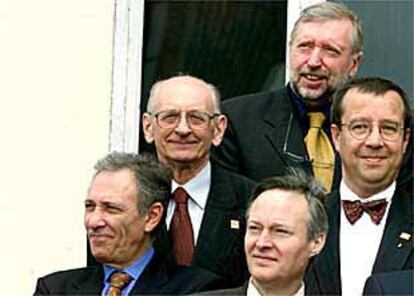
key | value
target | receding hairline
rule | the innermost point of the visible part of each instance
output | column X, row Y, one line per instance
column 294, row 194
column 214, row 95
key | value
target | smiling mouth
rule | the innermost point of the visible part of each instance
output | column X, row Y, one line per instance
column 373, row 160
column 179, row 143
column 265, row 258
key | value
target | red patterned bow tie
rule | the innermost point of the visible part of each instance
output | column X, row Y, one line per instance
column 354, row 210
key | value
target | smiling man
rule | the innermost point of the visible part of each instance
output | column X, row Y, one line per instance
column 286, row 227
column 271, row 131
column 370, row 217
column 122, row 211
column 204, row 224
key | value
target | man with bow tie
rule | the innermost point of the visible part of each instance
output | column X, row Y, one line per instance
column 370, row 218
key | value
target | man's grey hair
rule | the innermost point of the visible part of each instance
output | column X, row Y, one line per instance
column 214, row 93
column 328, row 11
column 309, row 188
column 153, row 180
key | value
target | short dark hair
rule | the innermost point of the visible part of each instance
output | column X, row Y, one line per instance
column 153, row 179
column 368, row 85
column 314, row 193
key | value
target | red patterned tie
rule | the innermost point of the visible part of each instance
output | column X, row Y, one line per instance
column 118, row 281
column 354, row 210
column 182, row 230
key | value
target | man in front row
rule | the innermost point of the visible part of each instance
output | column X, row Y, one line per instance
column 370, row 218
column 286, row 227
column 123, row 209
column 205, row 217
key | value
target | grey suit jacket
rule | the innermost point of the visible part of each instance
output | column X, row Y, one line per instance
column 395, row 253
column 220, row 246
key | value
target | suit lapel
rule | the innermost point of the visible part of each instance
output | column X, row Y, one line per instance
column 284, row 132
column 329, row 265
column 152, row 279
column 395, row 250
column 223, row 222
column 90, row 284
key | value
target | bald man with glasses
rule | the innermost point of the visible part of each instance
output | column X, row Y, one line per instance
column 205, row 215
column 370, row 216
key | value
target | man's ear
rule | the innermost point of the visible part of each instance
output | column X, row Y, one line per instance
column 219, row 129
column 336, row 137
column 147, row 127
column 356, row 62
column 153, row 217
column 317, row 245
column 406, row 139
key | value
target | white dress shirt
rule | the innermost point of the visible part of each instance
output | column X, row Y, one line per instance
column 359, row 243
column 198, row 189
column 252, row 290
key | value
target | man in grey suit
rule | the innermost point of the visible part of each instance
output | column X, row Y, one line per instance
column 123, row 209
column 370, row 217
column 183, row 120
column 286, row 228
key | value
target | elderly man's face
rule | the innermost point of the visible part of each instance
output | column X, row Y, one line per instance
column 276, row 243
column 183, row 143
column 370, row 165
column 321, row 59
column 117, row 233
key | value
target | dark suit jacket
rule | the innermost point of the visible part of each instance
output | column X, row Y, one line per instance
column 394, row 253
column 157, row 278
column 239, row 291
column 264, row 138
column 390, row 283
column 220, row 247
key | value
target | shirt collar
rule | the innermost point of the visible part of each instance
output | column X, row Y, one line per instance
column 347, row 194
column 252, row 290
column 198, row 187
column 302, row 109
column 135, row 269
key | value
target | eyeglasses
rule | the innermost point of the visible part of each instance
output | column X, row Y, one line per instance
column 360, row 130
column 195, row 119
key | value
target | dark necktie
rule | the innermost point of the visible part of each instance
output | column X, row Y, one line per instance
column 354, row 210
column 118, row 281
column 320, row 150
column 181, row 229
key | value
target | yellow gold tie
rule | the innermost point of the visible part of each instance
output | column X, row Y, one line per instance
column 320, row 150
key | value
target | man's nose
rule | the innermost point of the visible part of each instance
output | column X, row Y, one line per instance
column 315, row 57
column 264, row 240
column 94, row 219
column 374, row 138
column 182, row 126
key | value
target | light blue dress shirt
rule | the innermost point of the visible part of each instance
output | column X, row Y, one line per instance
column 134, row 271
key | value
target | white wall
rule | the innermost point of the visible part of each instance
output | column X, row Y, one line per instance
column 55, row 89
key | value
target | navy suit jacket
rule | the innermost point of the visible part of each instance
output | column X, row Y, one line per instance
column 395, row 253
column 390, row 283
column 220, row 243
column 264, row 137
column 157, row 278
